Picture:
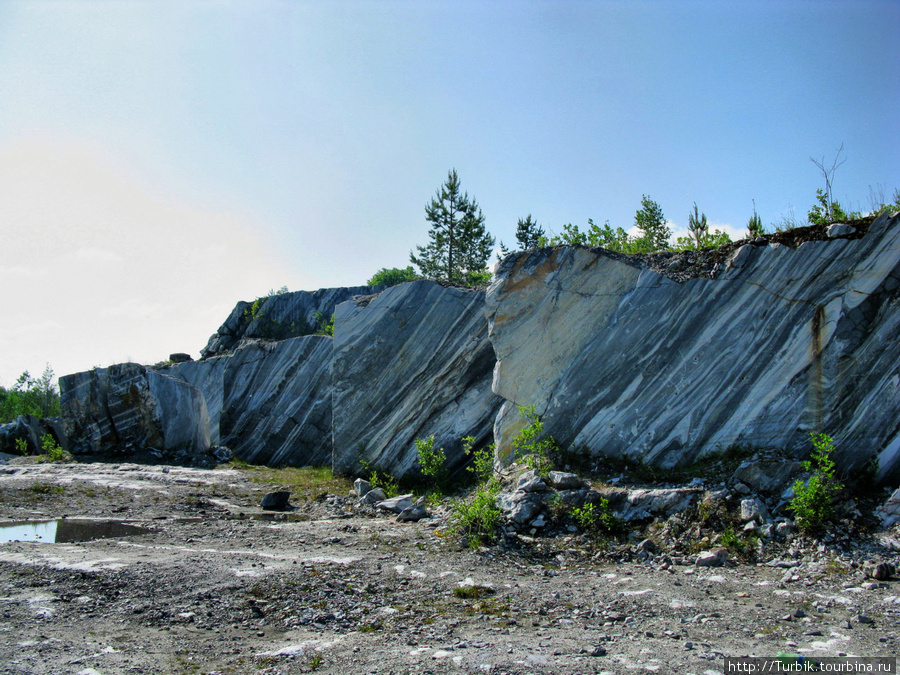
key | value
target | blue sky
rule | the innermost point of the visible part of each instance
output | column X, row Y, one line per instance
column 160, row 161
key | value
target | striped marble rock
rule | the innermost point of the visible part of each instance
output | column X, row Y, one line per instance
column 622, row 361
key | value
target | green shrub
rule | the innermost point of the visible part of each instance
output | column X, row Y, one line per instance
column 22, row 446
column 52, row 450
column 530, row 444
column 324, row 325
column 739, row 544
column 826, row 211
column 478, row 518
column 755, row 225
column 378, row 479
column 393, row 276
column 483, row 460
column 598, row 519
column 432, row 462
column 36, row 396
column 813, row 501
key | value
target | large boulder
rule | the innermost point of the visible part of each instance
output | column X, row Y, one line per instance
column 622, row 360
column 412, row 362
column 24, row 428
column 280, row 316
column 128, row 408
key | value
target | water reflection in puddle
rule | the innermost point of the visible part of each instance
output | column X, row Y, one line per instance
column 67, row 530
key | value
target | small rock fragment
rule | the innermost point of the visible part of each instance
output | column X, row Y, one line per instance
column 714, row 558
column 361, row 487
column 275, row 501
column 881, row 571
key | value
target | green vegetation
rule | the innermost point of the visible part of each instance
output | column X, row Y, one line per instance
column 393, row 276
column 530, row 445
column 432, row 464
column 739, row 544
column 813, row 501
column 30, row 396
column 47, row 489
column 528, row 233
column 307, row 483
column 482, row 460
column 650, row 220
column 604, row 236
column 754, row 225
column 460, row 246
column 22, row 446
column 700, row 234
column 827, row 211
column 598, row 519
column 878, row 203
column 472, row 592
column 324, row 325
column 477, row 519
column 52, row 451
column 378, row 479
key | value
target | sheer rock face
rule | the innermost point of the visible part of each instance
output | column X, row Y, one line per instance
column 128, row 407
column 413, row 362
column 208, row 376
column 281, row 316
column 276, row 402
column 269, row 402
column 783, row 342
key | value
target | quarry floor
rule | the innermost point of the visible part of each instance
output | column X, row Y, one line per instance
column 217, row 586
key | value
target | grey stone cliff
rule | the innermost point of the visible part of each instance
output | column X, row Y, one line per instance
column 268, row 401
column 413, row 362
column 782, row 342
column 129, row 408
column 208, row 376
column 281, row 316
column 276, row 407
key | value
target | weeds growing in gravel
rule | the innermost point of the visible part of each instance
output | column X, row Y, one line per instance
column 813, row 501
column 598, row 519
column 379, row 479
column 482, row 460
column 432, row 464
column 477, row 519
column 52, row 451
column 739, row 544
column 306, row 482
column 530, row 444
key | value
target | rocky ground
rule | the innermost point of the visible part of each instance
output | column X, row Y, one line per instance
column 216, row 585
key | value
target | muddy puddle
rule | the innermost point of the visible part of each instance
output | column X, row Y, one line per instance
column 67, row 530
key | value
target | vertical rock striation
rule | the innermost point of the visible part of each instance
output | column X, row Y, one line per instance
column 268, row 401
column 621, row 360
column 412, row 362
column 208, row 376
column 276, row 402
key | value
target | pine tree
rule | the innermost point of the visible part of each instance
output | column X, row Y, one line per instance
column 650, row 220
column 698, row 227
column 460, row 246
column 755, row 226
column 528, row 233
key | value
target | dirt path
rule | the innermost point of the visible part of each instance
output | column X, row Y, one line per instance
column 214, row 588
